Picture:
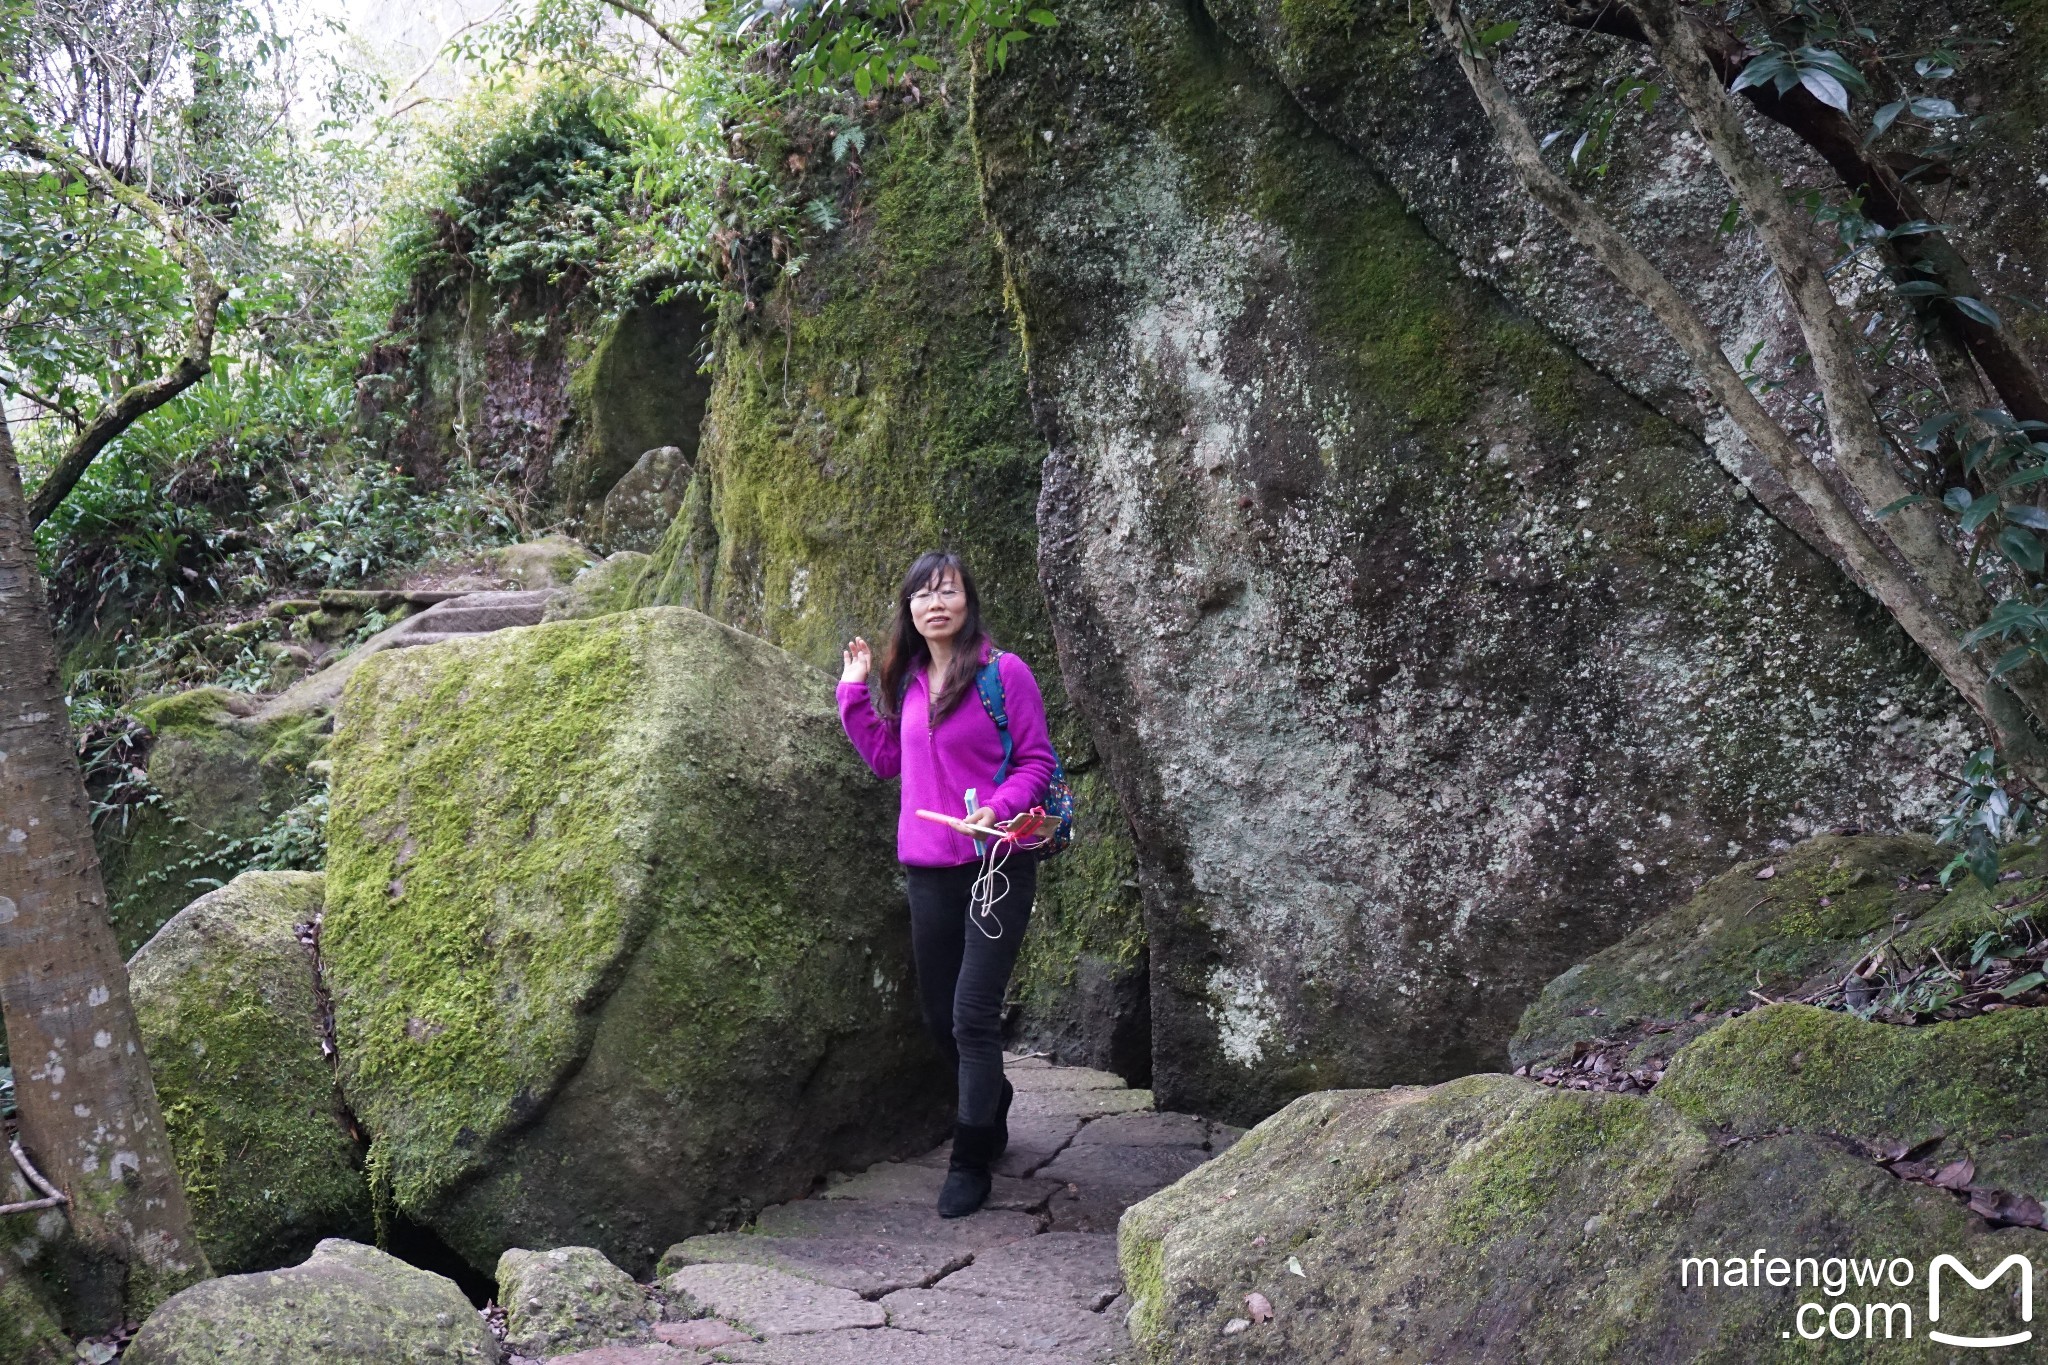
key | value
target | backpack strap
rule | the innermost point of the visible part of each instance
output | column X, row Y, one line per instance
column 989, row 684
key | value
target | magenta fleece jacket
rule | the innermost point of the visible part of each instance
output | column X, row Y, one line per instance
column 939, row 763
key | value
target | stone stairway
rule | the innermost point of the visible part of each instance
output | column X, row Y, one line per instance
column 451, row 618
column 866, row 1273
column 476, row 613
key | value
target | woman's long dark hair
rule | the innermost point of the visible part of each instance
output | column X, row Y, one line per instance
column 907, row 651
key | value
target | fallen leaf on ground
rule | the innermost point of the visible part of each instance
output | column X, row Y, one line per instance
column 1235, row 1325
column 1294, row 1267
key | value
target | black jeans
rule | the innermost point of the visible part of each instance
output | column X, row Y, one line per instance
column 962, row 973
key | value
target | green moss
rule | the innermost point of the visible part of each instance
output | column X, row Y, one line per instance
column 200, row 712
column 1511, row 1176
column 219, row 779
column 606, row 899
column 225, row 998
column 28, row 1330
column 1316, row 21
column 1142, row 1261
column 506, row 745
column 1980, row 1082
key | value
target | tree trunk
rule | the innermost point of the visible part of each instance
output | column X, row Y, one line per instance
column 88, row 1108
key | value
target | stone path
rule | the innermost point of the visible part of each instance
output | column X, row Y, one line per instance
column 449, row 616
column 866, row 1273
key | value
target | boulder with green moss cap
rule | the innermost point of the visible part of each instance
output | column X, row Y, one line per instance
column 28, row 1330
column 231, row 1016
column 615, row 936
column 1800, row 923
column 222, row 775
column 1439, row 1223
column 569, row 1299
column 346, row 1302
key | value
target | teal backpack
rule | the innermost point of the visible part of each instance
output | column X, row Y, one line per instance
column 1059, row 797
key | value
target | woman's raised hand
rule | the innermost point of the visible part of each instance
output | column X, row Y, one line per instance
column 855, row 661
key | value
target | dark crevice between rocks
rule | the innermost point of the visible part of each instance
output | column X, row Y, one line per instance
column 421, row 1247
column 308, row 935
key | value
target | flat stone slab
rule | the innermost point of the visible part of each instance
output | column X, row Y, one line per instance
column 899, row 1182
column 1077, row 1269
column 1016, row 1324
column 1034, row 1140
column 627, row 1355
column 1029, row 1080
column 768, row 1302
column 1222, row 1137
column 1101, row 1182
column 1084, row 1104
column 893, row 1222
column 700, row 1334
column 1144, row 1130
column 868, row 1267
column 887, row 1346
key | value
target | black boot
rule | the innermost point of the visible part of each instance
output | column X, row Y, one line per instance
column 1003, row 1118
column 967, row 1178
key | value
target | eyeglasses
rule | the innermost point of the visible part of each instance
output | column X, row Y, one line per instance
column 924, row 597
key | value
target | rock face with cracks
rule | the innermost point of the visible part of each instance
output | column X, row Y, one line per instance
column 614, row 935
column 230, row 1014
column 347, row 1302
column 1491, row 1218
column 1425, row 658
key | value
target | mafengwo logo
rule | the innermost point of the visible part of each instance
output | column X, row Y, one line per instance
column 1873, row 1299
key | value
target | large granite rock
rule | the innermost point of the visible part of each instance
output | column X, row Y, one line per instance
column 1383, row 79
column 1448, row 1223
column 1425, row 658
column 232, row 1018
column 615, row 936
column 347, row 1302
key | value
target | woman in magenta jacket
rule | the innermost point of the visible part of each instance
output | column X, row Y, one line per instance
column 923, row 720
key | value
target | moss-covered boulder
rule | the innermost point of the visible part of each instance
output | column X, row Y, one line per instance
column 1426, row 659
column 28, row 1330
column 1767, row 925
column 1440, row 1223
column 615, row 936
column 222, row 777
column 232, row 1018
column 345, row 1303
column 1801, row 923
column 569, row 1299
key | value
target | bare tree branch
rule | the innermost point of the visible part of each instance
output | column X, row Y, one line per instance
column 1846, row 540
column 1889, row 199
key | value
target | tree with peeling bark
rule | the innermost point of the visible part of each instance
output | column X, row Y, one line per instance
column 1945, row 542
column 88, row 1109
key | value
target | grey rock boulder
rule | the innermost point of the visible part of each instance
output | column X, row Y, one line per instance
column 346, row 1303
column 1427, row 658
column 230, row 1015
column 644, row 501
column 569, row 1299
